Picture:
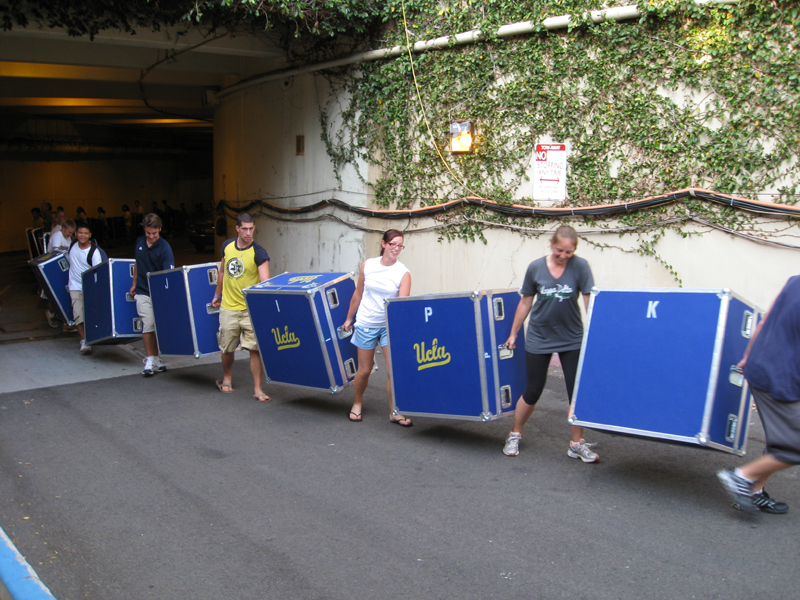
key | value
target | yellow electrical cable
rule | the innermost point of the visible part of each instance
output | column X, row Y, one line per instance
column 458, row 180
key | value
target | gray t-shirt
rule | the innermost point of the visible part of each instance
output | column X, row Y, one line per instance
column 555, row 324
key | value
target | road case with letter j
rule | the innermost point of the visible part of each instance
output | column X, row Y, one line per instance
column 186, row 323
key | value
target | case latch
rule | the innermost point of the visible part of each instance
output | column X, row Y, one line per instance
column 747, row 324
column 499, row 309
column 333, row 298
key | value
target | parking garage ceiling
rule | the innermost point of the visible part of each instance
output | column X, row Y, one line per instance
column 119, row 93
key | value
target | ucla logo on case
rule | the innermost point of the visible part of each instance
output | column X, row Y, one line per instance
column 435, row 356
column 304, row 278
column 285, row 340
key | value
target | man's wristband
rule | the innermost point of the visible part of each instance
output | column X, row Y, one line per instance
column 217, row 297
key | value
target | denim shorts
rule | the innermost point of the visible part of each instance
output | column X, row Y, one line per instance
column 367, row 338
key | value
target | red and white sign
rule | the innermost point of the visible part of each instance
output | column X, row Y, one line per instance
column 550, row 172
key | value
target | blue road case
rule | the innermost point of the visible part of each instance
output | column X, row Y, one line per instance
column 661, row 363
column 109, row 309
column 297, row 318
column 186, row 323
column 36, row 243
column 448, row 357
column 52, row 273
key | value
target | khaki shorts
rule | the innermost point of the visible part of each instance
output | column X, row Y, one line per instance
column 235, row 324
column 77, row 306
column 144, row 306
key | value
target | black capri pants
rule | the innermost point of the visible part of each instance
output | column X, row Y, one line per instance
column 536, row 370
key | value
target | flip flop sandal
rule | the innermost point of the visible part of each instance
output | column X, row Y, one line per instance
column 225, row 388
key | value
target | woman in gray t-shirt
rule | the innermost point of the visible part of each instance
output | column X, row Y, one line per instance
column 556, row 281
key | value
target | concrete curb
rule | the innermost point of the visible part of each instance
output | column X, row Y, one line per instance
column 18, row 581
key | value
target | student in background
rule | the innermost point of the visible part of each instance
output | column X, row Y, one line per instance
column 152, row 253
column 78, row 263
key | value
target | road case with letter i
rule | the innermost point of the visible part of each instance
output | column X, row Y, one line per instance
column 109, row 309
column 297, row 319
column 186, row 323
column 661, row 364
column 448, row 356
column 52, row 272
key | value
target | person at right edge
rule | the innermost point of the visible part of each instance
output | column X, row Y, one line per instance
column 771, row 366
column 557, row 281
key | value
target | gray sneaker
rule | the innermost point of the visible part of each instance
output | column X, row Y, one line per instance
column 582, row 451
column 158, row 365
column 512, row 444
column 766, row 503
column 740, row 490
column 148, row 367
column 51, row 319
column 85, row 348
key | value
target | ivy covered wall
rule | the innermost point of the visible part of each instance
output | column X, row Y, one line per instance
column 701, row 95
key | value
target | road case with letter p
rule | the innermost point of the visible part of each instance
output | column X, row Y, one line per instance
column 186, row 323
column 297, row 319
column 661, row 363
column 448, row 355
column 110, row 310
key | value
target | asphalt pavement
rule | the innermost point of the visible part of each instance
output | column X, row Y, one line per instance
column 126, row 487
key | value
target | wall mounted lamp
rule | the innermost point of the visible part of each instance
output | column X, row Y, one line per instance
column 462, row 136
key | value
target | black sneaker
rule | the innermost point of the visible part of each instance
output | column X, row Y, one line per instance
column 740, row 490
column 765, row 503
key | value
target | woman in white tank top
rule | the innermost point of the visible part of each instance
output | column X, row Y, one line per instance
column 381, row 277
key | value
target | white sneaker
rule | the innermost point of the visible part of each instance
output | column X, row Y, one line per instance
column 512, row 444
column 158, row 365
column 582, row 451
column 148, row 367
column 85, row 348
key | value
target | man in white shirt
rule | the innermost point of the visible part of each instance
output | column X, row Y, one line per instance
column 78, row 263
column 61, row 237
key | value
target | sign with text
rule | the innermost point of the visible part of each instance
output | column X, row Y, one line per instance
column 550, row 172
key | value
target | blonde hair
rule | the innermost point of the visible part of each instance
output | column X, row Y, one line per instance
column 565, row 233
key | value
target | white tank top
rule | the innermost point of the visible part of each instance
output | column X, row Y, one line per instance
column 380, row 282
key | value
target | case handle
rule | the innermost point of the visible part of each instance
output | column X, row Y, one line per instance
column 129, row 298
column 211, row 309
column 736, row 376
column 212, row 276
column 137, row 325
column 504, row 353
column 130, row 268
column 342, row 334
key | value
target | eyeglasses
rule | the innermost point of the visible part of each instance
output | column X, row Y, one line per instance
column 396, row 246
